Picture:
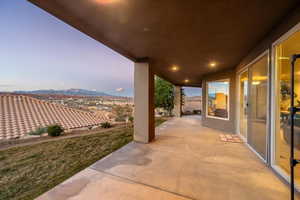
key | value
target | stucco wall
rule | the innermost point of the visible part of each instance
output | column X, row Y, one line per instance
column 224, row 125
column 177, row 102
column 280, row 29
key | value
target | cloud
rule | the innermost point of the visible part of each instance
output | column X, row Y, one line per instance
column 119, row 89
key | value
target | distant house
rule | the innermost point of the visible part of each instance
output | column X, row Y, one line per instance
column 192, row 104
column 21, row 114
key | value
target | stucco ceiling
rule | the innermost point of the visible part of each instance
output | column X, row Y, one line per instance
column 187, row 33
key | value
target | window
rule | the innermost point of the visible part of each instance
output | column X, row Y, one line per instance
column 217, row 104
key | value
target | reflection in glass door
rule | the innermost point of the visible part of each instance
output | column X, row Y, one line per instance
column 283, row 52
column 257, row 108
column 243, row 81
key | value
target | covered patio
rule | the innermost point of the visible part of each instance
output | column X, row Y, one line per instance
column 238, row 52
column 186, row 161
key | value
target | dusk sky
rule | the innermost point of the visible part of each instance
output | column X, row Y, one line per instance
column 38, row 51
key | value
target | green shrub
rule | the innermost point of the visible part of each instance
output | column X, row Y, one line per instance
column 131, row 119
column 106, row 125
column 39, row 131
column 54, row 130
column 120, row 119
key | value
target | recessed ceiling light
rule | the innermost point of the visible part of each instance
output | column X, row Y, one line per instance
column 146, row 29
column 175, row 68
column 106, row 1
column 186, row 80
column 212, row 64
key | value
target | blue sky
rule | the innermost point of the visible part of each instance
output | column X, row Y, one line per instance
column 192, row 91
column 39, row 51
column 218, row 87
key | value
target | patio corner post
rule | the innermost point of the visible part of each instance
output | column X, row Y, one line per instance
column 144, row 122
column 177, row 111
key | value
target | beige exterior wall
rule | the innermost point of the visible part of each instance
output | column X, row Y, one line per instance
column 221, row 124
column 144, row 123
column 177, row 102
column 287, row 23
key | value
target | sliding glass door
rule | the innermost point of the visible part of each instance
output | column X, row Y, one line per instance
column 257, row 108
column 283, row 52
column 253, row 101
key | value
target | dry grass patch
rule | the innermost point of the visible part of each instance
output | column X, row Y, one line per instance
column 28, row 171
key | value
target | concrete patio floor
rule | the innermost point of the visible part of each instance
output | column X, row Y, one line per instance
column 187, row 161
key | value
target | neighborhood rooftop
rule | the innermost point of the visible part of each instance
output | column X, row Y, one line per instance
column 21, row 114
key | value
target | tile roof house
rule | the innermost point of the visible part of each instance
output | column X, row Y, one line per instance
column 21, row 114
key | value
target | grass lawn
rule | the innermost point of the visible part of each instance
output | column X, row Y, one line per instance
column 160, row 120
column 28, row 171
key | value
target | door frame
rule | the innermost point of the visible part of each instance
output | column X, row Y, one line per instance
column 244, row 69
column 247, row 67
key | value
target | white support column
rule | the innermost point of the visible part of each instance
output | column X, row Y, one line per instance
column 177, row 102
column 144, row 122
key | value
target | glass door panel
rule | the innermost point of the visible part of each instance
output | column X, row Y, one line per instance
column 243, row 81
column 257, row 110
column 284, row 50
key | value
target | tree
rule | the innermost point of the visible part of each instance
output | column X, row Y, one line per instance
column 164, row 94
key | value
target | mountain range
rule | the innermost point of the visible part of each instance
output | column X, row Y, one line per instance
column 72, row 92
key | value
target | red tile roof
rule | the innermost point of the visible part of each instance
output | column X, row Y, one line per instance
column 21, row 114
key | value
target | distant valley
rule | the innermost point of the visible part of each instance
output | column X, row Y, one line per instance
column 70, row 92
